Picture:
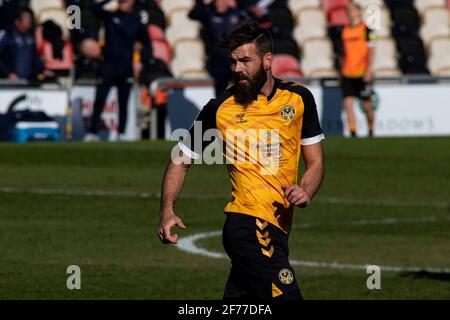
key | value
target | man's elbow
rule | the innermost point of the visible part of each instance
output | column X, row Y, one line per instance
column 182, row 163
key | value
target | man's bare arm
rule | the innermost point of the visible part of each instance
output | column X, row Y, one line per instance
column 313, row 176
column 170, row 190
column 301, row 194
column 368, row 75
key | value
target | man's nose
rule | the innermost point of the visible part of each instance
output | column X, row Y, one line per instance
column 238, row 68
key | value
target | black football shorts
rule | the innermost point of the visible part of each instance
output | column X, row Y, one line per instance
column 259, row 257
column 355, row 87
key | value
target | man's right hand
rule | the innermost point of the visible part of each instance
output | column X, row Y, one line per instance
column 167, row 222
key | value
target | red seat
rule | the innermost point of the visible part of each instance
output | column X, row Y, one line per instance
column 330, row 5
column 285, row 65
column 162, row 51
column 155, row 32
column 338, row 17
column 66, row 63
column 39, row 40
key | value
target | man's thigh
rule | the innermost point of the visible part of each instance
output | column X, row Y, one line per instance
column 259, row 257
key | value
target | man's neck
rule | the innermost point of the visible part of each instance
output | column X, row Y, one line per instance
column 125, row 11
column 21, row 32
column 268, row 86
column 356, row 23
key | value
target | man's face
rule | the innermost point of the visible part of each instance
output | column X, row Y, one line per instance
column 25, row 22
column 249, row 74
column 224, row 5
column 126, row 5
column 354, row 13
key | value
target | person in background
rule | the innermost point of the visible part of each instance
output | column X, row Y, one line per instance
column 18, row 50
column 123, row 29
column 3, row 53
column 9, row 10
column 217, row 17
column 356, row 67
column 258, row 9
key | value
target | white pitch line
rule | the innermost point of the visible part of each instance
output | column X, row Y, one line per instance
column 188, row 244
column 157, row 195
column 83, row 193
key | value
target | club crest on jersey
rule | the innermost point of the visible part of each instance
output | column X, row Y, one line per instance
column 241, row 117
column 288, row 112
column 286, row 276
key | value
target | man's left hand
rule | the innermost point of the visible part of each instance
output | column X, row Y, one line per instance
column 296, row 195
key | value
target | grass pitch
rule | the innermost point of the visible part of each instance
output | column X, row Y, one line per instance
column 383, row 202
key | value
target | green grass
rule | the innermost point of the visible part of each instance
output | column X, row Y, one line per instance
column 112, row 236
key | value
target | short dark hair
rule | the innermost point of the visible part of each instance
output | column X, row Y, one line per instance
column 355, row 4
column 248, row 32
column 23, row 11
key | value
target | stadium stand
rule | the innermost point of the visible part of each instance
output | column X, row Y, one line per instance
column 282, row 23
column 64, row 63
column 413, row 36
column 385, row 60
column 436, row 24
column 168, row 6
column 190, row 48
column 287, row 46
column 41, row 5
column 285, row 65
column 318, row 58
column 297, row 6
column 311, row 25
column 182, row 66
column 161, row 48
column 57, row 15
column 423, row 5
column 366, row 3
column 181, row 27
column 412, row 56
column 386, row 23
column 439, row 62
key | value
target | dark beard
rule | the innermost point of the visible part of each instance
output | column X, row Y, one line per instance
column 245, row 94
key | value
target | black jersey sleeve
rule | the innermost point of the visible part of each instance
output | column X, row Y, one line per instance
column 311, row 130
column 196, row 141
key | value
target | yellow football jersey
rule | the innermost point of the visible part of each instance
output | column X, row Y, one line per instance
column 356, row 42
column 261, row 144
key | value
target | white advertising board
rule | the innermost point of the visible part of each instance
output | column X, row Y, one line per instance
column 408, row 110
column 52, row 102
column 111, row 109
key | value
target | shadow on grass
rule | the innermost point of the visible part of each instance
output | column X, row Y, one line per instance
column 426, row 275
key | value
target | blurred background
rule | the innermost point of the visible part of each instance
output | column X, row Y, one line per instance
column 385, row 201
column 412, row 56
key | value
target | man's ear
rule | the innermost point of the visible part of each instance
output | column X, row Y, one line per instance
column 267, row 60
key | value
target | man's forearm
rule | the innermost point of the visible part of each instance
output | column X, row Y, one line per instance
column 172, row 184
column 312, row 179
column 370, row 59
